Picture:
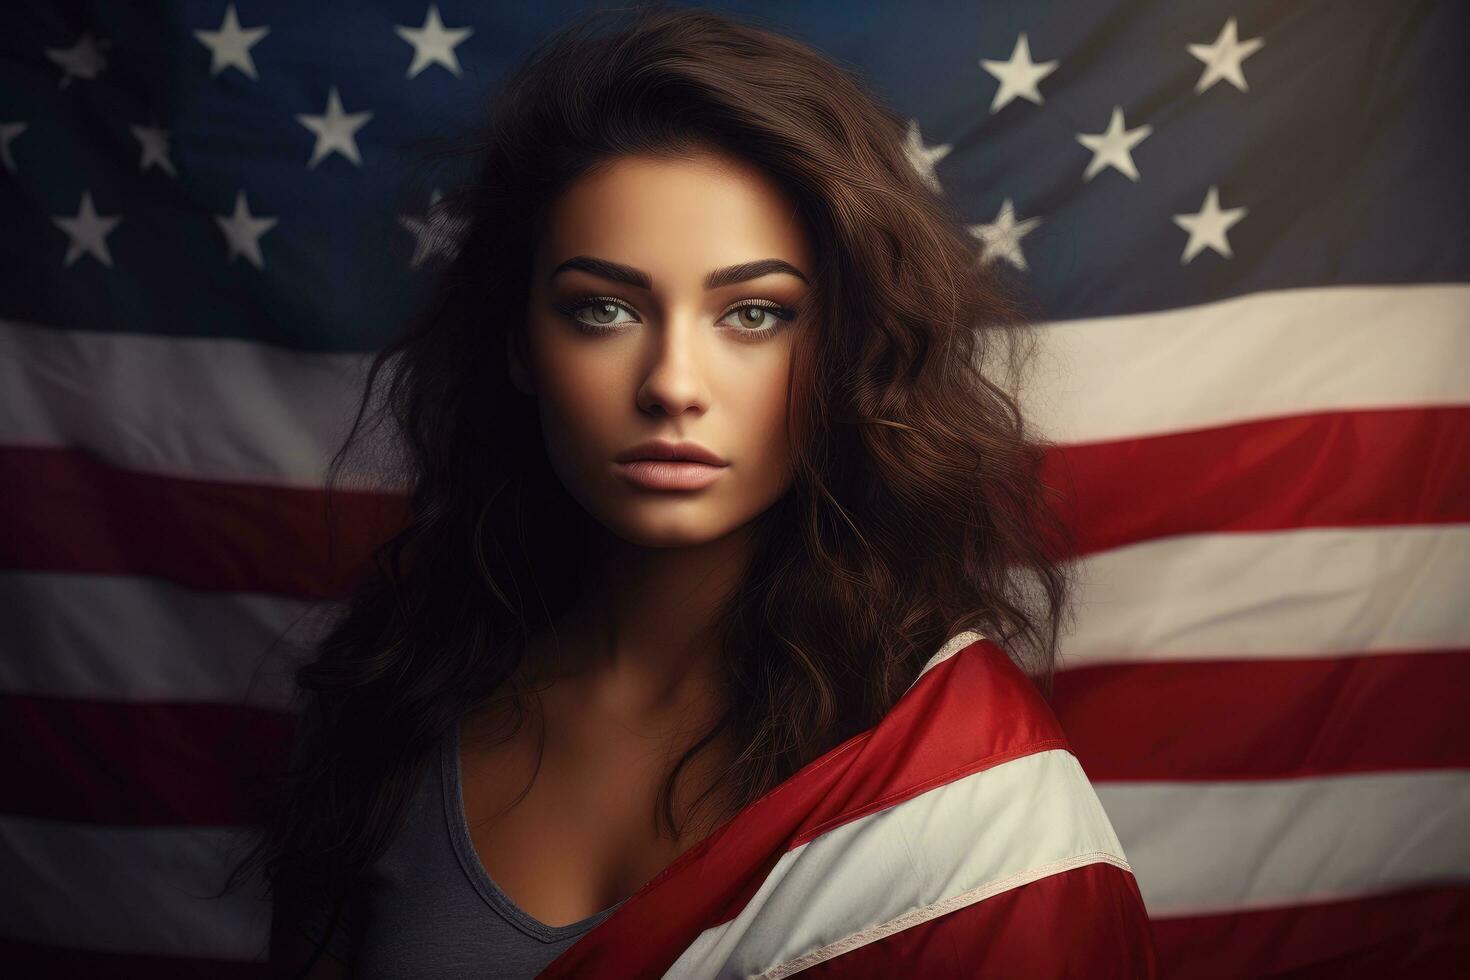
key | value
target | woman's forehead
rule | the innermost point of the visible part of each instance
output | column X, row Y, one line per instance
column 703, row 211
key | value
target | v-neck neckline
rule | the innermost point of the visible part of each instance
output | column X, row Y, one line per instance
column 469, row 859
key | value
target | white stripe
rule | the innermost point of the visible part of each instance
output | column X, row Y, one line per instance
column 951, row 646
column 140, row 890
column 1201, row 848
column 118, row 638
column 1265, row 355
column 238, row 410
column 1318, row 592
column 949, row 847
column 179, row 406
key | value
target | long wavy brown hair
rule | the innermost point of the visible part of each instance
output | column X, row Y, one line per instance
column 917, row 508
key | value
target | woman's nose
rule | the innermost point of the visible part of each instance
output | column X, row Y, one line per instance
column 674, row 380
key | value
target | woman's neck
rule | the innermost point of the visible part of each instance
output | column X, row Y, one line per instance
column 642, row 643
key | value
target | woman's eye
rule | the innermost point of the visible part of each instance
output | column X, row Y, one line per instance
column 600, row 313
column 760, row 318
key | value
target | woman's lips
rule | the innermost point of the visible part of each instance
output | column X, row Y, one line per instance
column 669, row 474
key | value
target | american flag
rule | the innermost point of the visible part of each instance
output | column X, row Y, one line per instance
column 1243, row 227
column 867, row 862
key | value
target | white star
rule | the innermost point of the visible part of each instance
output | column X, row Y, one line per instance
column 1207, row 227
column 8, row 133
column 82, row 60
column 155, row 148
column 1019, row 76
column 432, row 43
column 335, row 130
column 243, row 230
column 1222, row 59
column 1002, row 238
column 88, row 231
column 1113, row 148
column 923, row 158
column 229, row 47
column 436, row 233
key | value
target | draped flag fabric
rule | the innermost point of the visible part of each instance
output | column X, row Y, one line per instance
column 959, row 837
column 1242, row 229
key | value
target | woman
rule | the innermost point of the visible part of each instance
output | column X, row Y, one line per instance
column 704, row 650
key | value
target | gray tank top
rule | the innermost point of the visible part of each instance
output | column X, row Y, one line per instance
column 428, row 908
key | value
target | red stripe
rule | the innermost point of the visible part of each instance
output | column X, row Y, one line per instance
column 1420, row 932
column 70, row 512
column 1086, row 922
column 41, row 962
column 137, row 764
column 972, row 711
column 1268, row 718
column 1337, row 469
column 66, row 511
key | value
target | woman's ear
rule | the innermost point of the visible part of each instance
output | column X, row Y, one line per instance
column 519, row 375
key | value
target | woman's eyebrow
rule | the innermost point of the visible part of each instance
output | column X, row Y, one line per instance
column 628, row 275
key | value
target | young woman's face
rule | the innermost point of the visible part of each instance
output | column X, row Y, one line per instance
column 660, row 305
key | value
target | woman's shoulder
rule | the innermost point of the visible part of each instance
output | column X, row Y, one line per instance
column 974, row 739
column 973, row 690
column 982, row 745
column 1014, row 867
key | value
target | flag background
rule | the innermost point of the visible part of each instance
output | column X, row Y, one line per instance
column 1265, row 447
